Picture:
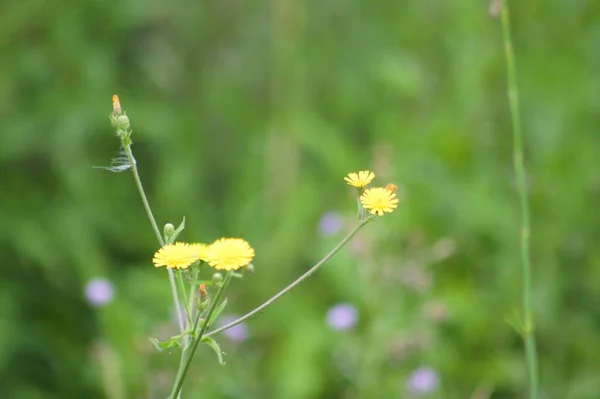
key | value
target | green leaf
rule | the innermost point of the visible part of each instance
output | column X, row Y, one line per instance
column 173, row 342
column 217, row 312
column 179, row 229
column 215, row 346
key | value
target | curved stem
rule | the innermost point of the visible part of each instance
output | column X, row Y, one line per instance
column 519, row 167
column 138, row 183
column 192, row 350
column 295, row 283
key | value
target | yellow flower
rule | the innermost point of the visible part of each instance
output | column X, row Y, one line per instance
column 379, row 200
column 360, row 179
column 202, row 250
column 229, row 254
column 179, row 255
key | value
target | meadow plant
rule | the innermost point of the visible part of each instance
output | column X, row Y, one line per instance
column 199, row 303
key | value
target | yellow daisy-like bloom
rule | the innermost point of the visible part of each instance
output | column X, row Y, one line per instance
column 360, row 179
column 179, row 255
column 379, row 200
column 202, row 250
column 229, row 254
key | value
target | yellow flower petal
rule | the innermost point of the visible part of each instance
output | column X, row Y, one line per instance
column 360, row 179
column 229, row 254
column 202, row 250
column 379, row 200
column 179, row 255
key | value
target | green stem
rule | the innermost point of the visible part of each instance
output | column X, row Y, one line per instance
column 192, row 350
column 295, row 283
column 519, row 166
column 138, row 183
column 185, row 299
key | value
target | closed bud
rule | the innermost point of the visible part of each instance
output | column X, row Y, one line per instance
column 168, row 232
column 203, row 301
column 122, row 123
column 217, row 277
column 203, row 293
column 249, row 269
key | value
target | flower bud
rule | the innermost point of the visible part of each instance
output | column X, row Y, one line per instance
column 249, row 269
column 168, row 232
column 122, row 123
column 203, row 301
column 217, row 277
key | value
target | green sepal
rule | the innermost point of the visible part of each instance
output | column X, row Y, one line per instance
column 215, row 347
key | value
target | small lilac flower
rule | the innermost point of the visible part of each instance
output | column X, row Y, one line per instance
column 330, row 224
column 99, row 292
column 342, row 316
column 423, row 380
column 237, row 333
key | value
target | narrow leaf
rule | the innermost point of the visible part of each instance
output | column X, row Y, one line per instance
column 217, row 312
column 215, row 346
column 178, row 229
column 173, row 342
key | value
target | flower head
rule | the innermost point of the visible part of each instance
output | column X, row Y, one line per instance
column 330, row 224
column 201, row 249
column 237, row 333
column 360, row 179
column 342, row 316
column 229, row 254
column 179, row 255
column 379, row 200
column 423, row 380
column 99, row 291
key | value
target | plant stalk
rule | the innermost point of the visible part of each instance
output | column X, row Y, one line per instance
column 192, row 349
column 295, row 283
column 520, row 172
column 138, row 183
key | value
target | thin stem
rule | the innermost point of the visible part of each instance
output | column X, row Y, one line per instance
column 185, row 301
column 192, row 350
column 295, row 283
column 138, row 183
column 519, row 167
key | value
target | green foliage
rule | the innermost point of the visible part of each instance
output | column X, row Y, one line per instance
column 246, row 116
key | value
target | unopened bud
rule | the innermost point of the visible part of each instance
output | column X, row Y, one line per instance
column 250, row 268
column 203, row 301
column 168, row 232
column 391, row 187
column 203, row 294
column 123, row 123
column 217, row 277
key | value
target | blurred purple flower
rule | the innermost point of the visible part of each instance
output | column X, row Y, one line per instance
column 238, row 333
column 330, row 224
column 99, row 292
column 342, row 316
column 422, row 380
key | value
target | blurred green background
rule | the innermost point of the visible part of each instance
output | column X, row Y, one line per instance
column 246, row 116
